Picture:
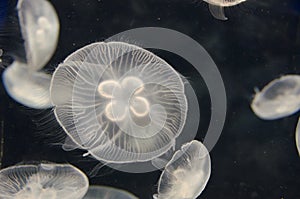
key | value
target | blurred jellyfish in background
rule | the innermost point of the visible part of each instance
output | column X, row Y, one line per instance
column 40, row 29
column 280, row 98
column 216, row 7
column 97, row 192
column 121, row 103
column 186, row 174
column 298, row 136
column 45, row 180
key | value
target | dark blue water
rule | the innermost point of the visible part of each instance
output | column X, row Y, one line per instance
column 253, row 159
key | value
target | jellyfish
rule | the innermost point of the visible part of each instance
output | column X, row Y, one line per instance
column 26, row 87
column 278, row 99
column 45, row 180
column 24, row 82
column 95, row 192
column 298, row 137
column 119, row 102
column 40, row 29
column 216, row 7
column 186, row 174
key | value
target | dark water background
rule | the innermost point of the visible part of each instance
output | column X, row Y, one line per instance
column 254, row 159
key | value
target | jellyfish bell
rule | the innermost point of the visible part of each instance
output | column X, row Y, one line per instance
column 119, row 102
column 216, row 7
column 278, row 99
column 27, row 87
column 298, row 136
column 95, row 192
column 40, row 29
column 41, row 181
column 186, row 174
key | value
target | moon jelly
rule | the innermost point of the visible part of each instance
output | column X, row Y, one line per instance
column 280, row 98
column 298, row 137
column 53, row 181
column 96, row 192
column 216, row 7
column 186, row 174
column 119, row 102
column 27, row 87
column 40, row 29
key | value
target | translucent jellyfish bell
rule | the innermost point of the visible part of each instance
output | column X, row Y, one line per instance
column 119, row 102
column 280, row 98
column 40, row 29
column 187, row 173
column 216, row 7
column 96, row 192
column 51, row 181
column 27, row 87
column 298, row 136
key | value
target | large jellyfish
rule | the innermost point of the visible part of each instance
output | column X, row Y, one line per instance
column 216, row 7
column 119, row 102
column 51, row 181
column 280, row 98
column 40, row 28
column 96, row 192
column 186, row 174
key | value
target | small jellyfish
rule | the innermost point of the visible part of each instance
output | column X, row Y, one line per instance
column 40, row 29
column 216, row 7
column 51, row 181
column 298, row 136
column 96, row 192
column 186, row 174
column 27, row 87
column 119, row 102
column 278, row 99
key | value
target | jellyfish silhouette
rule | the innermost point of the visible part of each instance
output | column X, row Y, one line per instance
column 95, row 192
column 119, row 102
column 40, row 27
column 186, row 174
column 216, row 7
column 42, row 181
column 280, row 98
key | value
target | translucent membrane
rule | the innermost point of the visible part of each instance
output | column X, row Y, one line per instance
column 97, row 192
column 40, row 29
column 43, row 181
column 298, row 136
column 216, row 7
column 119, row 102
column 187, row 174
column 27, row 87
column 280, row 98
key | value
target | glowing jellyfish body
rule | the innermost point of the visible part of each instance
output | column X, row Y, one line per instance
column 43, row 181
column 40, row 29
column 186, row 174
column 96, row 192
column 280, row 98
column 216, row 7
column 298, row 136
column 119, row 102
column 26, row 87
